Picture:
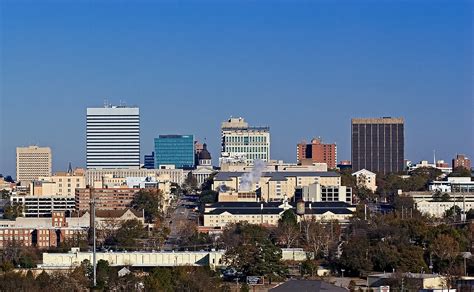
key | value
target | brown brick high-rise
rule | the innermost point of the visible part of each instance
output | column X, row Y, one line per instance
column 378, row 144
column 317, row 152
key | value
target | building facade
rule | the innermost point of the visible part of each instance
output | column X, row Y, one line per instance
column 149, row 161
column 32, row 162
column 461, row 160
column 177, row 150
column 219, row 215
column 175, row 175
column 44, row 236
column 241, row 143
column 366, row 179
column 275, row 185
column 63, row 184
column 113, row 137
column 105, row 198
column 43, row 206
column 317, row 152
column 378, row 144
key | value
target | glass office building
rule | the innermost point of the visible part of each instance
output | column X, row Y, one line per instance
column 177, row 150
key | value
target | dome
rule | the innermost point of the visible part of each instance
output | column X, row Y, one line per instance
column 204, row 155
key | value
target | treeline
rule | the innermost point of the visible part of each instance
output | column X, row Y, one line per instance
column 81, row 279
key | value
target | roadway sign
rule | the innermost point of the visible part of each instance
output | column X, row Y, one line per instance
column 255, row 280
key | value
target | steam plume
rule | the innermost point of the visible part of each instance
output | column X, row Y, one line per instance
column 249, row 178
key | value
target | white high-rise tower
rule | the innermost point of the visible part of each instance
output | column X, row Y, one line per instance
column 113, row 137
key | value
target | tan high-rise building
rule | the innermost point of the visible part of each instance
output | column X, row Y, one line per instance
column 32, row 162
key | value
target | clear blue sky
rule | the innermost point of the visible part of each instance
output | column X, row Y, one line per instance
column 304, row 68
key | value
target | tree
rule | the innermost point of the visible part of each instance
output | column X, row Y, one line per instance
column 316, row 237
column 9, row 179
column 287, row 232
column 252, row 252
column 288, row 217
column 208, row 196
column 4, row 194
column 151, row 201
column 355, row 256
column 207, row 184
column 453, row 213
column 446, row 249
column 182, row 279
column 126, row 235
column 460, row 172
column 103, row 272
column 129, row 233
column 12, row 211
column 190, row 184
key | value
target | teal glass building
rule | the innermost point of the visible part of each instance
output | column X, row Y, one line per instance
column 177, row 150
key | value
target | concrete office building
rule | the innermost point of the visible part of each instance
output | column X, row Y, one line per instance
column 113, row 137
column 378, row 144
column 177, row 150
column 32, row 162
column 317, row 152
column 241, row 143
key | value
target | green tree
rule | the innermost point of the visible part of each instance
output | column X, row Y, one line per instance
column 288, row 217
column 103, row 273
column 151, row 201
column 129, row 233
column 12, row 211
column 453, row 213
column 355, row 256
column 460, row 172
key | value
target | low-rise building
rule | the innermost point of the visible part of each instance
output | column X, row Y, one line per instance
column 440, row 164
column 42, row 236
column 219, row 215
column 366, row 179
column 43, row 206
column 414, row 280
column 105, row 198
column 212, row 259
column 275, row 185
column 436, row 204
column 175, row 175
column 453, row 184
column 110, row 219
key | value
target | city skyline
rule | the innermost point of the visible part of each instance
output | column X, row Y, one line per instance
column 289, row 72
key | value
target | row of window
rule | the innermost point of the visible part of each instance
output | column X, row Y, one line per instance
column 245, row 139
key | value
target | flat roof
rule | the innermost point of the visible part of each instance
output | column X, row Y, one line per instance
column 276, row 175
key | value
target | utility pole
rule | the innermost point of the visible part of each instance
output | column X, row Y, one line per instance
column 94, row 258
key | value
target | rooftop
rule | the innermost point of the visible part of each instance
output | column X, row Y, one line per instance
column 275, row 175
